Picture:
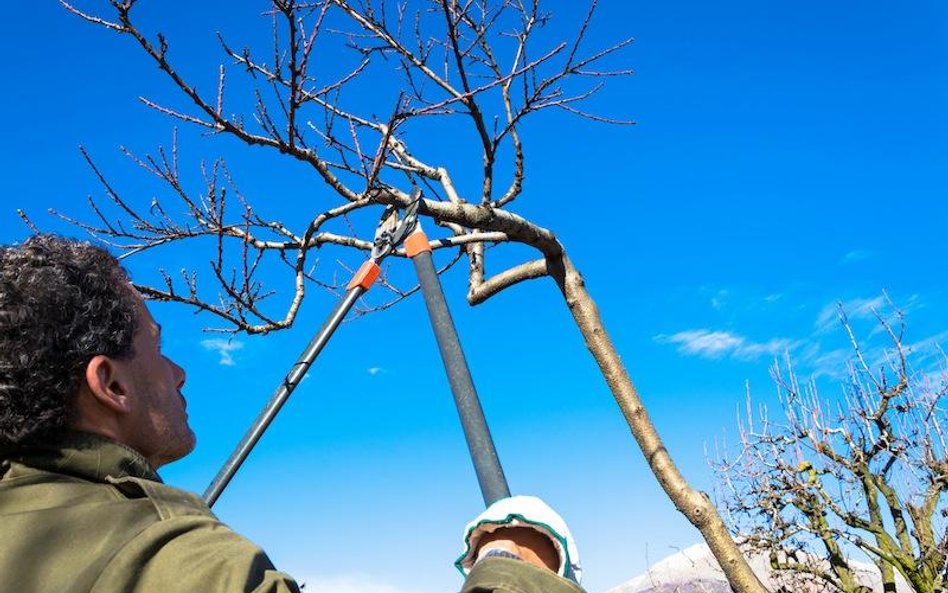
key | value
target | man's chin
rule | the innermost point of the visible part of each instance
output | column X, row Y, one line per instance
column 186, row 445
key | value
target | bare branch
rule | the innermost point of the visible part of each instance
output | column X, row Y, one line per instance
column 528, row 271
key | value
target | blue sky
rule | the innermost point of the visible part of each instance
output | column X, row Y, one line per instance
column 786, row 157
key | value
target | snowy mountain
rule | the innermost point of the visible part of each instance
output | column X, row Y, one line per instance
column 694, row 570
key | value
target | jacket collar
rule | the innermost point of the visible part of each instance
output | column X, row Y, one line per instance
column 83, row 454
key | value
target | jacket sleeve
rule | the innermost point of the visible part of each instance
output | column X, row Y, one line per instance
column 503, row 575
column 192, row 554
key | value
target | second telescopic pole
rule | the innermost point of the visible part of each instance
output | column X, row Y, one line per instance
column 490, row 474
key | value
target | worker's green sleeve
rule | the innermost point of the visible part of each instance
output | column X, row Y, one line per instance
column 191, row 554
column 503, row 575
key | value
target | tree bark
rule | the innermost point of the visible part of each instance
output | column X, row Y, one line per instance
column 695, row 505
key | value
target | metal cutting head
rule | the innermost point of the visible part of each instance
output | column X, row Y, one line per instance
column 392, row 230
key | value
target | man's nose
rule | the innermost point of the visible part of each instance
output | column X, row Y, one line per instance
column 180, row 375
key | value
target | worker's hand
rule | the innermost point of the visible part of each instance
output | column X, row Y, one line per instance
column 522, row 527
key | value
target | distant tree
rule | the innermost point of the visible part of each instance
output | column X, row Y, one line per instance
column 429, row 67
column 864, row 474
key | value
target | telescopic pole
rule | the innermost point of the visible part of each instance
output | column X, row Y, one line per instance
column 490, row 475
column 389, row 233
column 360, row 283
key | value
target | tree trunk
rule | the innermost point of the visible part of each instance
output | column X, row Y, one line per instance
column 695, row 505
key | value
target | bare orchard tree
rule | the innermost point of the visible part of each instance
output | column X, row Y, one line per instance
column 865, row 475
column 461, row 63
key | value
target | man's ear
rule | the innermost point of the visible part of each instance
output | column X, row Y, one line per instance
column 107, row 381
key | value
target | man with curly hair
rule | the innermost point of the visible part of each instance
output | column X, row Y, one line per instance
column 90, row 408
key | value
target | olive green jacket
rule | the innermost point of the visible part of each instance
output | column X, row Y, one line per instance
column 88, row 515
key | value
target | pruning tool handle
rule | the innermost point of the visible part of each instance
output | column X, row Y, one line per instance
column 388, row 235
column 282, row 393
column 490, row 474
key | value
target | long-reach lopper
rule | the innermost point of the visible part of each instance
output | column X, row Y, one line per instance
column 389, row 234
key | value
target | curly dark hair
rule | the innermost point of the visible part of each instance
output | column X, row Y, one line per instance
column 62, row 302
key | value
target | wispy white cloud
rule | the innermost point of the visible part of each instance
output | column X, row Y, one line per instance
column 375, row 370
column 855, row 309
column 719, row 344
column 856, row 255
column 719, row 299
column 834, row 363
column 927, row 357
column 823, row 350
column 752, row 350
column 930, row 355
column 702, row 342
column 937, row 342
column 348, row 584
column 224, row 348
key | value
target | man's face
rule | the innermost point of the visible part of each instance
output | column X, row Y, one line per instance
column 158, row 422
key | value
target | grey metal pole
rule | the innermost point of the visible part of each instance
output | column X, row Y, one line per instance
column 282, row 393
column 490, row 475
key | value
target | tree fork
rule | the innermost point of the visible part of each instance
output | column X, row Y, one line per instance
column 695, row 505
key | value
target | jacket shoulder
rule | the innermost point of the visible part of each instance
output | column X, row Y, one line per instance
column 168, row 501
column 191, row 552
